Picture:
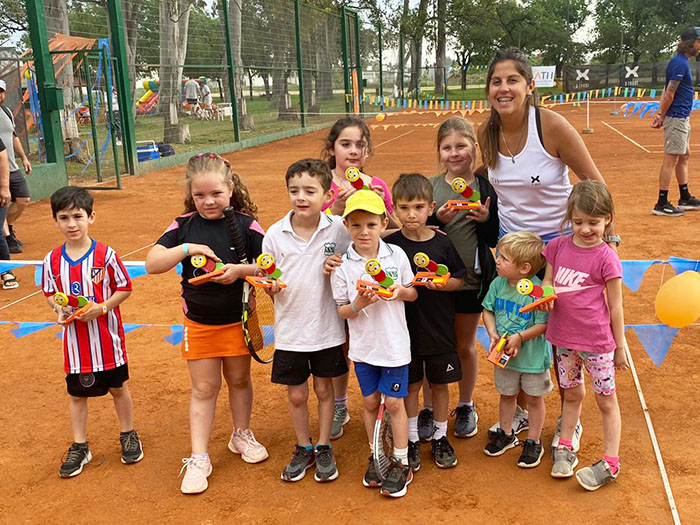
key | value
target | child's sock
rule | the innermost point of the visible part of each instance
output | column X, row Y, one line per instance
column 685, row 193
column 309, row 446
column 613, row 462
column 663, row 197
column 413, row 429
column 402, row 455
column 203, row 456
column 440, row 429
column 342, row 400
column 465, row 404
column 566, row 443
column 371, row 448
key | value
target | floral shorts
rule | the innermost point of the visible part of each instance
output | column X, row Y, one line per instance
column 601, row 368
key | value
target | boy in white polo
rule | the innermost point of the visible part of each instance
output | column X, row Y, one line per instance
column 308, row 332
column 379, row 342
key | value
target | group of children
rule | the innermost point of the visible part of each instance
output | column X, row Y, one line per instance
column 410, row 338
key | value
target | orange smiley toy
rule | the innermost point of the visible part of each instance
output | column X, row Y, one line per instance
column 79, row 304
column 459, row 185
column 437, row 273
column 541, row 294
column 266, row 264
column 209, row 268
column 352, row 174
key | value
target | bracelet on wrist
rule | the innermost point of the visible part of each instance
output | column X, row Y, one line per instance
column 186, row 248
column 104, row 308
column 354, row 308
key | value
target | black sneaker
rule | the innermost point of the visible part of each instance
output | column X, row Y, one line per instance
column 12, row 234
column 78, row 455
column 397, row 480
column 131, row 447
column 326, row 469
column 465, row 421
column 500, row 443
column 532, row 454
column 302, row 460
column 667, row 209
column 425, row 424
column 13, row 244
column 371, row 478
column 443, row 453
column 689, row 204
column 414, row 455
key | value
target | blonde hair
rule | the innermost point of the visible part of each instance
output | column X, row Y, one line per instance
column 462, row 127
column 593, row 198
column 524, row 248
column 211, row 163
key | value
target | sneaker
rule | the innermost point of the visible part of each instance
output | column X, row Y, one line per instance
column 341, row 416
column 532, row 454
column 13, row 244
column 565, row 461
column 500, row 443
column 666, row 209
column 443, row 453
column 326, row 469
column 576, row 440
column 595, row 476
column 555, row 438
column 78, row 455
column 425, row 424
column 414, row 455
column 131, row 447
column 197, row 470
column 12, row 234
column 466, row 418
column 689, row 204
column 521, row 422
column 243, row 442
column 397, row 480
column 371, row 478
column 302, row 460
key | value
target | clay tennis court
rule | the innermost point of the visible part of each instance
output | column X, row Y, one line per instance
column 480, row 489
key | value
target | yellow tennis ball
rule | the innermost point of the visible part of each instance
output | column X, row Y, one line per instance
column 380, row 117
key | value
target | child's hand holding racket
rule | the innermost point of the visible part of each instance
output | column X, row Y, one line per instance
column 232, row 272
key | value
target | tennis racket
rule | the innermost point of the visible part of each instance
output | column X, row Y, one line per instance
column 258, row 309
column 383, row 440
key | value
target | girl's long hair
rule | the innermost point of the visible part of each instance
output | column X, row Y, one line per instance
column 462, row 127
column 337, row 129
column 490, row 130
column 213, row 163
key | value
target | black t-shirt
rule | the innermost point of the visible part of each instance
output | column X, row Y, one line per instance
column 213, row 303
column 431, row 317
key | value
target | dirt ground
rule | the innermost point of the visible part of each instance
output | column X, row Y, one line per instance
column 479, row 489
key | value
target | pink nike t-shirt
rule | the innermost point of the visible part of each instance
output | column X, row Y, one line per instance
column 581, row 319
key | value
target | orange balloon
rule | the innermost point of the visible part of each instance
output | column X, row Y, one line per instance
column 677, row 303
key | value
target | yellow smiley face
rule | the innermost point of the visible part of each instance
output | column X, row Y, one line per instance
column 373, row 267
column 459, row 185
column 198, row 261
column 525, row 286
column 265, row 261
column 352, row 174
column 60, row 299
column 421, row 260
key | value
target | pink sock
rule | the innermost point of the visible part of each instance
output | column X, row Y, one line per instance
column 613, row 462
column 566, row 443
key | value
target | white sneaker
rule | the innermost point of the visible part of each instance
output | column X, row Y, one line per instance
column 195, row 479
column 575, row 440
column 521, row 422
column 243, row 442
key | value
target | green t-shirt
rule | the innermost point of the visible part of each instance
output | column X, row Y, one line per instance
column 505, row 302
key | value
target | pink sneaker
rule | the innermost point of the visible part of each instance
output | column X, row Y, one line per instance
column 198, row 470
column 243, row 442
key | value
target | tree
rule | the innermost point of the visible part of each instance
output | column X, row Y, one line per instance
column 556, row 22
column 472, row 36
column 441, row 47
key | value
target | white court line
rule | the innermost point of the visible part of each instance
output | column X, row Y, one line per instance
column 387, row 141
column 625, row 136
column 20, row 300
column 137, row 250
column 654, row 442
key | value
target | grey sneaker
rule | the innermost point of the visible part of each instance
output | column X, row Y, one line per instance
column 443, row 453
column 302, row 460
column 565, row 461
column 414, row 455
column 371, row 478
column 326, row 469
column 667, row 209
column 78, row 455
column 466, row 419
column 521, row 422
column 689, row 204
column 397, row 480
column 425, row 424
column 340, row 418
column 132, row 452
column 595, row 476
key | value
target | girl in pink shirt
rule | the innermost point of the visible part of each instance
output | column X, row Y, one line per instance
column 587, row 330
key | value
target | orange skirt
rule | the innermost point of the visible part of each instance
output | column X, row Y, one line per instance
column 202, row 341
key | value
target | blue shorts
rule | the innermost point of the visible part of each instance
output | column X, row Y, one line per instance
column 390, row 381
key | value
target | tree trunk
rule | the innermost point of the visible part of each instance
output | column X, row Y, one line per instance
column 130, row 10
column 440, row 49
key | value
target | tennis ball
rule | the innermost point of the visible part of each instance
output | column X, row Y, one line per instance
column 380, row 117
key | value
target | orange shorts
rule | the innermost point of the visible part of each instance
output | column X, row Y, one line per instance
column 202, row 341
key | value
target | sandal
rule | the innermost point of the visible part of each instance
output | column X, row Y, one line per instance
column 9, row 281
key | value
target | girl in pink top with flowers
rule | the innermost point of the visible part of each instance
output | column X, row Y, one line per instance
column 587, row 329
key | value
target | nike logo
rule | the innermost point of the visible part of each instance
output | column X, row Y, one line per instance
column 564, row 289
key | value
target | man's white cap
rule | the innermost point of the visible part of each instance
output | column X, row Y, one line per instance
column 3, row 86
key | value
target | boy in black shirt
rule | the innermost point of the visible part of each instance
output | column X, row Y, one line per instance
column 431, row 318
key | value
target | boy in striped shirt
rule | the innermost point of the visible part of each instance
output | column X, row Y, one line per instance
column 93, row 344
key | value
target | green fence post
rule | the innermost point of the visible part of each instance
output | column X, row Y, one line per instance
column 231, row 75
column 110, row 112
column 300, row 70
column 86, row 72
column 117, row 33
column 358, row 63
column 381, row 70
column 50, row 97
column 344, row 44
column 401, row 65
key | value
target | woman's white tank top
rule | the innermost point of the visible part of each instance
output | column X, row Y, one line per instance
column 533, row 190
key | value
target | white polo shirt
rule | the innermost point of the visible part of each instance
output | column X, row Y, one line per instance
column 379, row 338
column 306, row 317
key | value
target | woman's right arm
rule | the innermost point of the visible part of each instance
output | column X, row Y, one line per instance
column 161, row 259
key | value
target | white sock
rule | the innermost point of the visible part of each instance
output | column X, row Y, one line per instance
column 401, row 454
column 413, row 429
column 440, row 430
column 465, row 404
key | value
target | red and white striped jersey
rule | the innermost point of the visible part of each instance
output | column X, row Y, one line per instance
column 97, row 345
